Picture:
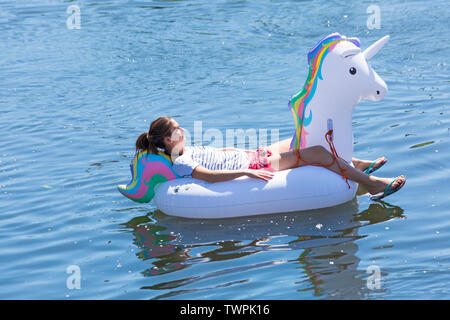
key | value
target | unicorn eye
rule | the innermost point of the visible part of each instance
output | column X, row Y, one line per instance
column 352, row 70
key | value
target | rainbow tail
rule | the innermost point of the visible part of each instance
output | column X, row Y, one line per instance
column 147, row 171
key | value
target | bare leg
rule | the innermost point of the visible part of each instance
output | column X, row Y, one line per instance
column 281, row 146
column 364, row 164
column 321, row 156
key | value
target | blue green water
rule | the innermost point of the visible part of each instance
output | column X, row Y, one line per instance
column 73, row 101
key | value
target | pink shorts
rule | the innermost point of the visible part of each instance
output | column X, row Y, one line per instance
column 259, row 159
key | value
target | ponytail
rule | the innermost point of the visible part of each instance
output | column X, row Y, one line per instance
column 142, row 143
column 153, row 140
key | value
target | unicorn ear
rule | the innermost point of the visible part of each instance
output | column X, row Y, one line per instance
column 350, row 52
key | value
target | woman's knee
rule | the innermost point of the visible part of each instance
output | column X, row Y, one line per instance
column 317, row 154
column 318, row 150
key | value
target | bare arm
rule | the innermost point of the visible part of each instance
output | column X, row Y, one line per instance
column 202, row 173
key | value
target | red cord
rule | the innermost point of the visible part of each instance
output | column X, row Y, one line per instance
column 329, row 139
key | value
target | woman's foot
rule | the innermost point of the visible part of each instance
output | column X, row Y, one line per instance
column 380, row 184
column 363, row 165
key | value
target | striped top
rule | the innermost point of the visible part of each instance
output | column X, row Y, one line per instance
column 209, row 158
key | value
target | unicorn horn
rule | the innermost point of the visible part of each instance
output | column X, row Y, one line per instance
column 375, row 47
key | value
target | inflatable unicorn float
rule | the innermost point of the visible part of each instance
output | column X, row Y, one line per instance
column 339, row 77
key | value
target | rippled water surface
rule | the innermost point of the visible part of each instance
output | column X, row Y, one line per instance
column 73, row 101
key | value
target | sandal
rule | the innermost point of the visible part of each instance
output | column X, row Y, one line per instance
column 387, row 191
column 372, row 169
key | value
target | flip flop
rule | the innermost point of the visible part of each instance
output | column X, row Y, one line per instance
column 387, row 191
column 371, row 169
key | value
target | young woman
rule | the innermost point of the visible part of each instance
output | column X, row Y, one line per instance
column 214, row 164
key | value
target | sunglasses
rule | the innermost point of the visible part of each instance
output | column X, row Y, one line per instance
column 176, row 133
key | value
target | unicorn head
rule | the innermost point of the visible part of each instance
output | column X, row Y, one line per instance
column 347, row 71
column 339, row 77
column 147, row 171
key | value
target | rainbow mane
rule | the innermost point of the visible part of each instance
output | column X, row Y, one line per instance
column 147, row 171
column 300, row 100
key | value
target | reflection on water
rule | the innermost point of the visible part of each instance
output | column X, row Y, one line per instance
column 323, row 242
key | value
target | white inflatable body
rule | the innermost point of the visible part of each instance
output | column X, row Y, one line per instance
column 303, row 188
column 339, row 77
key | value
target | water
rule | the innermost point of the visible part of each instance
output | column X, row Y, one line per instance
column 73, row 102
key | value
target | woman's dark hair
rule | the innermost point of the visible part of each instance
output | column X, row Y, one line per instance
column 154, row 138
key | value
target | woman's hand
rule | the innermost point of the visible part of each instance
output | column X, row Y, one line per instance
column 259, row 174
